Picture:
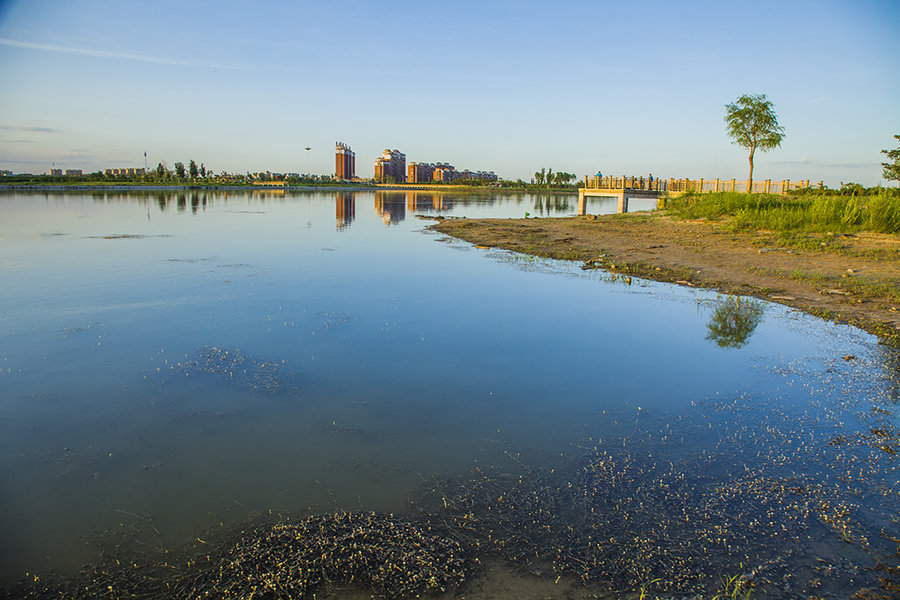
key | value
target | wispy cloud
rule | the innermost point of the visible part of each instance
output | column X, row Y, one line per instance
column 788, row 163
column 18, row 141
column 149, row 58
column 811, row 162
column 31, row 129
column 849, row 165
column 19, row 161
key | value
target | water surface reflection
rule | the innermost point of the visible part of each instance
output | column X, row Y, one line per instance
column 191, row 367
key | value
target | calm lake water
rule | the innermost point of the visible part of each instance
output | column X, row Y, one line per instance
column 194, row 358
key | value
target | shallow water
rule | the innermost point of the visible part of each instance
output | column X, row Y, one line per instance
column 366, row 355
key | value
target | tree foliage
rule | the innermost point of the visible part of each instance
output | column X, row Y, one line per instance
column 751, row 122
column 892, row 169
column 548, row 177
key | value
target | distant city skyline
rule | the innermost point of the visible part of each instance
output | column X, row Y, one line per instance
column 512, row 85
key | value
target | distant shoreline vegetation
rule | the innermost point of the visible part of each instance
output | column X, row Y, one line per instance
column 101, row 181
column 149, row 181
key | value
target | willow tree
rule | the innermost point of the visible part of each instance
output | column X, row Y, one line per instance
column 752, row 123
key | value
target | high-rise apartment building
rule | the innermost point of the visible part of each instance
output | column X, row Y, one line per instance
column 444, row 172
column 447, row 173
column 125, row 171
column 390, row 167
column 344, row 161
column 420, row 173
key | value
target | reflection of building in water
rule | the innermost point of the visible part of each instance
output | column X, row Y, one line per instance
column 419, row 201
column 390, row 167
column 344, row 161
column 345, row 209
column 267, row 193
column 427, row 201
column 391, row 206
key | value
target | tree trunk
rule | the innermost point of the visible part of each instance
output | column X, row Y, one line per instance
column 750, row 179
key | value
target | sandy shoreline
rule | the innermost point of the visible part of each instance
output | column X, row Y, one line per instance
column 851, row 279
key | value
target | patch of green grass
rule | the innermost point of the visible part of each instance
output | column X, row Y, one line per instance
column 866, row 288
column 859, row 286
column 878, row 211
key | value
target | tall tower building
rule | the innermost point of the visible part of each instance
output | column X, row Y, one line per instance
column 344, row 161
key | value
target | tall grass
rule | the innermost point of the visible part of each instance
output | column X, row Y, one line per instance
column 878, row 211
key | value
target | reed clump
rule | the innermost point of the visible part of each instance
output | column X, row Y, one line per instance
column 877, row 211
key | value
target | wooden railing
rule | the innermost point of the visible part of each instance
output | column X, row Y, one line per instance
column 653, row 184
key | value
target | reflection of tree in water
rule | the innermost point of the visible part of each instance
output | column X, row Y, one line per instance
column 550, row 204
column 733, row 321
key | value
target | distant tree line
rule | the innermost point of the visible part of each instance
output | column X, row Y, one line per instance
column 548, row 178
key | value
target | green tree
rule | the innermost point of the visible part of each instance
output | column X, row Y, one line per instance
column 549, row 177
column 892, row 169
column 539, row 177
column 193, row 170
column 161, row 172
column 752, row 123
column 202, row 170
column 179, row 170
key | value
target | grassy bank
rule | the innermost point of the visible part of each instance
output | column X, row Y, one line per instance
column 877, row 211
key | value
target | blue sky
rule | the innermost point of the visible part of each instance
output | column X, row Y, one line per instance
column 509, row 86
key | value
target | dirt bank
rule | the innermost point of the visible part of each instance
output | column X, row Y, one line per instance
column 846, row 278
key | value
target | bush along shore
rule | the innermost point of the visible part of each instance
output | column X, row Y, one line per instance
column 834, row 255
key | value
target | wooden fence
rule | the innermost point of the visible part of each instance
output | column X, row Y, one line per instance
column 653, row 184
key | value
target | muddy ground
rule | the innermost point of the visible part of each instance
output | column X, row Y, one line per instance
column 849, row 278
